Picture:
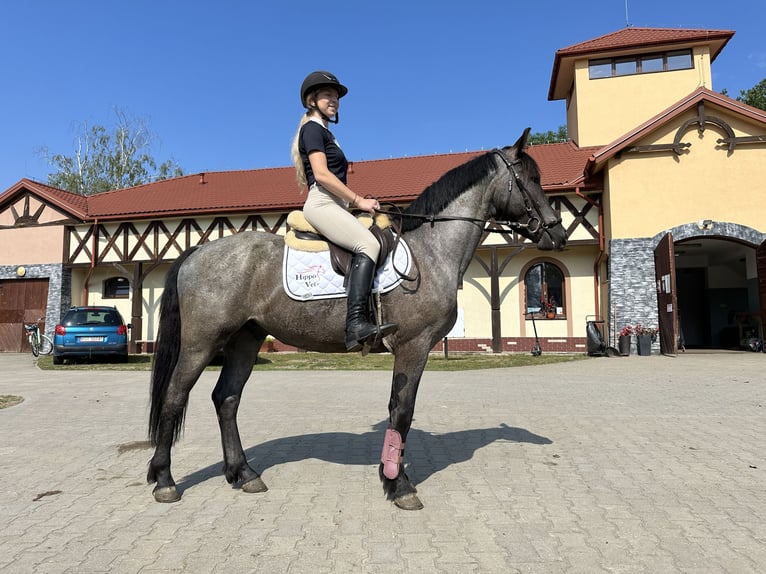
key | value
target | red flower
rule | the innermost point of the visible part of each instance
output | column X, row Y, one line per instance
column 548, row 306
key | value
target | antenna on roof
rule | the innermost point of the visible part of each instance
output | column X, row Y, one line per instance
column 627, row 19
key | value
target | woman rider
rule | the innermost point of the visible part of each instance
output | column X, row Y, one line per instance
column 321, row 166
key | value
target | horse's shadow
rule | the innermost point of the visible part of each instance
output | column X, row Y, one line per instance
column 430, row 452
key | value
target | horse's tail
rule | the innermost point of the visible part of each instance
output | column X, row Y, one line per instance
column 167, row 350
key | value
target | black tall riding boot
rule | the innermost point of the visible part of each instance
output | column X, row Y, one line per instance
column 358, row 327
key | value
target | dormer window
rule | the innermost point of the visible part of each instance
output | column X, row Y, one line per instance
column 640, row 64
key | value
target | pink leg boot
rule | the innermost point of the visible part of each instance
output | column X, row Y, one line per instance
column 391, row 457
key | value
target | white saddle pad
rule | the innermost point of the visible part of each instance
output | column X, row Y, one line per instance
column 308, row 275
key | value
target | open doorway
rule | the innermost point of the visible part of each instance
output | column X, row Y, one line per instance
column 718, row 294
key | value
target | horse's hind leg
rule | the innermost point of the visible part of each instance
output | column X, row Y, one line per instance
column 174, row 401
column 240, row 355
column 408, row 368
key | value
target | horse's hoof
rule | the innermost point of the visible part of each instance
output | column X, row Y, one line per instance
column 409, row 502
column 254, row 485
column 166, row 494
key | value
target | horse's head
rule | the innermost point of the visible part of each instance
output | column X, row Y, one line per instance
column 523, row 201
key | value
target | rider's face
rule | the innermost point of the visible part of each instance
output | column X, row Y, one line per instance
column 327, row 101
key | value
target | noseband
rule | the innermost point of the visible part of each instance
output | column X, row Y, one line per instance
column 535, row 219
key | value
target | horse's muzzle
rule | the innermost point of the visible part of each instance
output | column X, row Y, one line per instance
column 553, row 238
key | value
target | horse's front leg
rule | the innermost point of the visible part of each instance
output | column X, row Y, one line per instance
column 408, row 369
column 240, row 355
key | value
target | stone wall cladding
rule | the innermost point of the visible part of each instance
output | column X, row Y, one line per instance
column 632, row 289
column 716, row 230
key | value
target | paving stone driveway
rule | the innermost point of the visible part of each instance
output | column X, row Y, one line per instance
column 637, row 464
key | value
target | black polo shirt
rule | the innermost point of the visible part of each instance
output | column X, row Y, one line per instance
column 315, row 137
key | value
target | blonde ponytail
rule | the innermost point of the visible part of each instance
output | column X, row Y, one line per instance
column 295, row 154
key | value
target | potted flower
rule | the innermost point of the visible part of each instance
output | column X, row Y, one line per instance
column 645, row 336
column 268, row 344
column 623, row 342
column 548, row 307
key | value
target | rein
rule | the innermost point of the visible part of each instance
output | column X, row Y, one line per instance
column 535, row 220
column 534, row 224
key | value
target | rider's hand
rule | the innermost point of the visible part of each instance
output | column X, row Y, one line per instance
column 368, row 204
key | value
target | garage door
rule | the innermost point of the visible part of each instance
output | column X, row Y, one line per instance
column 21, row 301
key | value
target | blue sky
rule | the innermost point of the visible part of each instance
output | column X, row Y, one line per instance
column 218, row 82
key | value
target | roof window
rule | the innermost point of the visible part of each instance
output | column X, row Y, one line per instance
column 640, row 64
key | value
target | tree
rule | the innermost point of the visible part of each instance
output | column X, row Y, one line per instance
column 755, row 96
column 104, row 161
column 559, row 136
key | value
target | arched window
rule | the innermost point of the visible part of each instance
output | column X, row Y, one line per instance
column 116, row 288
column 544, row 286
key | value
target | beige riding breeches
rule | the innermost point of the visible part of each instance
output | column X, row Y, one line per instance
column 330, row 216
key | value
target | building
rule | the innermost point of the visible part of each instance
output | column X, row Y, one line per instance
column 657, row 188
column 682, row 169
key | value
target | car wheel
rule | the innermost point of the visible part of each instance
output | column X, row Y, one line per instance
column 57, row 360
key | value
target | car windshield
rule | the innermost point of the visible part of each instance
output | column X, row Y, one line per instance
column 92, row 317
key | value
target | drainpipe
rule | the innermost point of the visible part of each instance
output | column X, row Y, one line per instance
column 92, row 263
column 597, row 262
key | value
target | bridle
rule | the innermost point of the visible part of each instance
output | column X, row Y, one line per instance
column 533, row 212
column 535, row 220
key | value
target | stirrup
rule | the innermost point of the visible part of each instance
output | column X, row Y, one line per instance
column 356, row 343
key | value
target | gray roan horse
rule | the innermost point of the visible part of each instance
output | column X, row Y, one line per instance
column 228, row 294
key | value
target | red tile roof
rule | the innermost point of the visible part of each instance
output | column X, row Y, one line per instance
column 630, row 40
column 263, row 190
column 562, row 165
column 75, row 204
column 646, row 37
column 267, row 189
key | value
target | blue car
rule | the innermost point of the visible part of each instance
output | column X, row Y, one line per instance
column 91, row 332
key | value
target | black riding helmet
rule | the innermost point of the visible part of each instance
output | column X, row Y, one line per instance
column 321, row 79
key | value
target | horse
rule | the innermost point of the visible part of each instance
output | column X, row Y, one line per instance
column 228, row 294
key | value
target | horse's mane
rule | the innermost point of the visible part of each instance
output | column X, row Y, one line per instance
column 446, row 189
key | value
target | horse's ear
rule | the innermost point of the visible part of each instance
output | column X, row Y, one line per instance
column 521, row 143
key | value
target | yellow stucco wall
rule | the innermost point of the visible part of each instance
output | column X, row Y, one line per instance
column 652, row 192
column 474, row 297
column 95, row 290
column 606, row 108
column 573, row 126
column 154, row 285
column 152, row 291
column 31, row 245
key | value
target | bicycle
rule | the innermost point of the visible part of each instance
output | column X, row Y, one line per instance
column 40, row 342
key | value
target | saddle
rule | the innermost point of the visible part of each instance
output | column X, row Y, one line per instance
column 302, row 236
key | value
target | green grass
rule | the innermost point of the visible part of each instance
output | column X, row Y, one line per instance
column 9, row 401
column 342, row 362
